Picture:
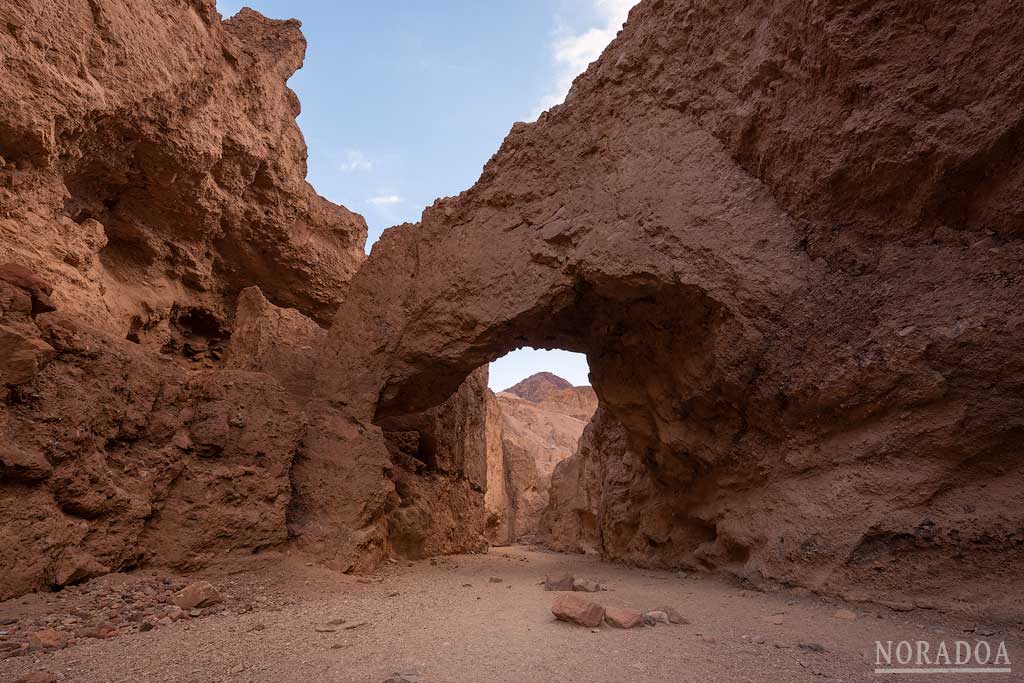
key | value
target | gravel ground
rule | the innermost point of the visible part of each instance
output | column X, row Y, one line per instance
column 287, row 620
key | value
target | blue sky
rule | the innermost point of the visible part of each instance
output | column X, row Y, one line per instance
column 403, row 101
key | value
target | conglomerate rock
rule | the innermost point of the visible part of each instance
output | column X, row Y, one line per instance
column 787, row 237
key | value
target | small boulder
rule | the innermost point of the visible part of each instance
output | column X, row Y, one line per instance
column 47, row 639
column 559, row 582
column 18, row 464
column 844, row 615
column 103, row 629
column 198, row 594
column 654, row 617
column 38, row 288
column 674, row 616
column 494, row 579
column 576, row 610
column 22, row 355
column 622, row 617
column 76, row 566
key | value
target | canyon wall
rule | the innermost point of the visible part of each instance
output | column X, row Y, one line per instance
column 165, row 275
column 542, row 419
column 151, row 156
column 150, row 409
column 787, row 237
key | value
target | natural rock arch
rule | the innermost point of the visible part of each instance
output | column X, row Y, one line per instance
column 750, row 295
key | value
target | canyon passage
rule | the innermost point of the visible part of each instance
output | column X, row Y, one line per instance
column 786, row 237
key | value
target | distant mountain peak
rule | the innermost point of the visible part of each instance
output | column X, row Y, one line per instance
column 537, row 387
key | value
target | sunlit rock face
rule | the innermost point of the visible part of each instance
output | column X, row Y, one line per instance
column 788, row 240
column 542, row 419
column 153, row 160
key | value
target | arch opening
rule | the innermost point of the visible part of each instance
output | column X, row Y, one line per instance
column 667, row 404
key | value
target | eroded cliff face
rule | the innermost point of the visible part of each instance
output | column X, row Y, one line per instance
column 151, row 157
column 153, row 205
column 542, row 419
column 165, row 271
column 440, row 475
column 112, row 457
column 787, row 237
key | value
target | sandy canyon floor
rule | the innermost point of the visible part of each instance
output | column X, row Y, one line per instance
column 284, row 619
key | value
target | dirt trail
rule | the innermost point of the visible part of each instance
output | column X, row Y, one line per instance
column 425, row 617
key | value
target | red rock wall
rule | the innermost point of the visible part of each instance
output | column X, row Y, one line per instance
column 154, row 396
column 151, row 157
column 536, row 435
column 152, row 189
column 787, row 237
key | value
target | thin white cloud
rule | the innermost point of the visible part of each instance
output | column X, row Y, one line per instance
column 572, row 52
column 355, row 161
column 385, row 200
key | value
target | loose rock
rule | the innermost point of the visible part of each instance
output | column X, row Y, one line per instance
column 587, row 586
column 101, row 630
column 560, row 582
column 47, row 639
column 198, row 594
column 674, row 616
column 37, row 677
column 655, row 617
column 621, row 617
column 576, row 610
